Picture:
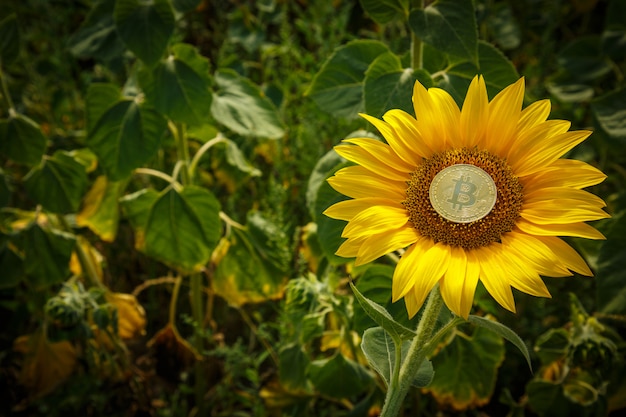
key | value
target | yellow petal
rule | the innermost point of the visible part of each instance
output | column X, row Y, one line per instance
column 383, row 152
column 449, row 116
column 452, row 284
column 533, row 115
column 359, row 182
column 407, row 140
column 472, row 274
column 431, row 266
column 475, row 113
column 564, row 173
column 534, row 138
column 428, row 121
column 555, row 194
column 374, row 220
column 381, row 244
column 568, row 256
column 350, row 248
column 536, row 253
column 504, row 115
column 371, row 162
column 561, row 212
column 568, row 229
column 412, row 307
column 404, row 275
column 347, row 209
column 547, row 152
column 494, row 278
column 522, row 276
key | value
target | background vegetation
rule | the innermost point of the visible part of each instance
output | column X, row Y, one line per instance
column 162, row 248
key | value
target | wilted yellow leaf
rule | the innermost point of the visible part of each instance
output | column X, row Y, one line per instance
column 310, row 248
column 94, row 257
column 100, row 210
column 46, row 364
column 131, row 317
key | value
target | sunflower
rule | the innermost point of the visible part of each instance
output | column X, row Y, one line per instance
column 477, row 193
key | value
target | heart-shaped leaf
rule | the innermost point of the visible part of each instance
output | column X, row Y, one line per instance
column 145, row 27
column 179, row 86
column 21, row 140
column 450, row 26
column 58, row 183
column 125, row 137
column 242, row 107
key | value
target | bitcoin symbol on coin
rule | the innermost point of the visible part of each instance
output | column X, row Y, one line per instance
column 464, row 193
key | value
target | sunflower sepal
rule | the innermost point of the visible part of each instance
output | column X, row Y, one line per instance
column 381, row 316
column 503, row 331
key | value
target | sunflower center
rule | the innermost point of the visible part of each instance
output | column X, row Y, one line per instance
column 464, row 197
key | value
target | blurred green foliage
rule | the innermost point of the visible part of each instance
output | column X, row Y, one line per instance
column 163, row 172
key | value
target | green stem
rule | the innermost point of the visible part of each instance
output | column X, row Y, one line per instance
column 196, row 158
column 182, row 150
column 5, row 93
column 198, row 316
column 415, row 356
column 417, row 47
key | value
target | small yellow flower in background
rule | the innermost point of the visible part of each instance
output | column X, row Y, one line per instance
column 478, row 193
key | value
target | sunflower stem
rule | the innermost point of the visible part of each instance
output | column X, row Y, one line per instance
column 417, row 47
column 415, row 356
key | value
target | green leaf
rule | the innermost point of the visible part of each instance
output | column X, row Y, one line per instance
column 252, row 264
column 547, row 398
column 97, row 37
column 125, row 137
column 242, row 107
column 467, row 369
column 502, row 330
column 100, row 98
column 100, row 210
column 325, row 165
column 338, row 87
column 21, row 140
column 568, row 91
column 610, row 112
column 384, row 11
column 389, row 86
column 610, row 288
column 5, row 191
column 583, row 60
column 136, row 208
column 383, row 318
column 379, row 349
column 614, row 35
column 58, row 183
column 145, row 27
column 181, row 228
column 11, row 264
column 47, row 255
column 502, row 22
column 553, row 345
column 375, row 284
column 9, row 40
column 449, row 26
column 496, row 69
column 184, row 6
column 339, row 377
column 329, row 230
column 293, row 363
column 179, row 86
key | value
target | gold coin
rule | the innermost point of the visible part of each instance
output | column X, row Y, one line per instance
column 462, row 193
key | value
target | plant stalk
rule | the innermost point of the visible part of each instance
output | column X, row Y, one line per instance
column 197, row 305
column 417, row 47
column 415, row 356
